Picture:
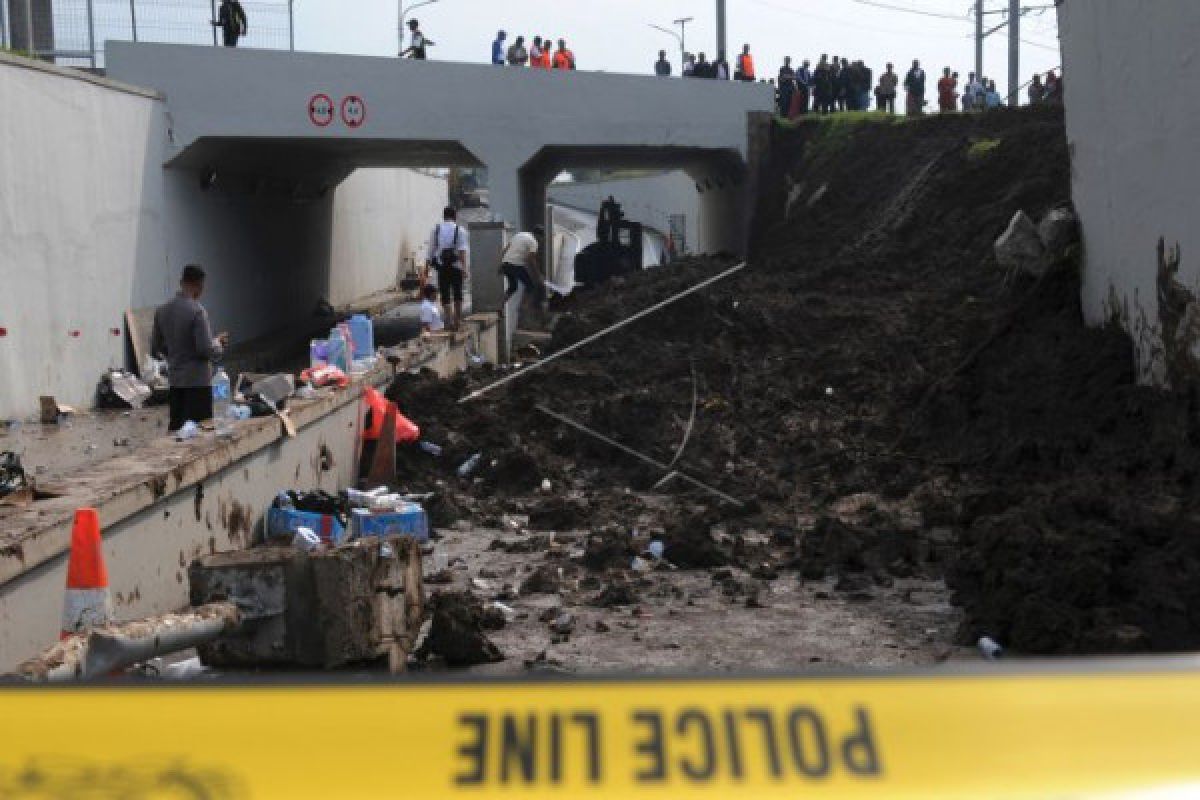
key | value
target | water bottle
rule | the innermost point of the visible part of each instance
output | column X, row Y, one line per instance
column 222, row 393
column 470, row 465
column 338, row 357
column 363, row 331
column 431, row 448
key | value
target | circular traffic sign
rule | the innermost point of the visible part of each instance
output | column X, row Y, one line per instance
column 320, row 110
column 354, row 111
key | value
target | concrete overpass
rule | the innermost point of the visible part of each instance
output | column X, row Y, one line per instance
column 246, row 117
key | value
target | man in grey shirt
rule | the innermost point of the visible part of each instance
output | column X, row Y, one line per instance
column 182, row 334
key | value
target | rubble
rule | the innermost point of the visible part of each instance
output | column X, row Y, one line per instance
column 456, row 633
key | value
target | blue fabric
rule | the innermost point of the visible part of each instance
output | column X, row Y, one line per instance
column 498, row 52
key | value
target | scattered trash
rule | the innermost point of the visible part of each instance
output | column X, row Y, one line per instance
column 121, row 442
column 430, row 448
column 306, row 540
column 602, row 626
column 190, row 430
column 306, row 392
column 543, row 580
column 990, row 649
column 12, row 474
column 480, row 585
column 325, row 376
column 546, row 486
column 656, row 549
column 509, row 612
column 120, row 389
column 829, row 391
column 470, row 465
column 640, row 564
column 185, row 670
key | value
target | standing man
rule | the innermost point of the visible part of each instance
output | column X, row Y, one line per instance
column 449, row 253
column 689, row 66
column 662, row 67
column 787, row 86
column 417, row 49
column 182, row 334
column 885, row 95
column 563, row 58
column 1037, row 91
column 822, row 85
column 720, row 68
column 498, row 53
column 535, row 52
column 914, row 85
column 519, row 266
column 518, row 56
column 231, row 19
column 947, row 92
column 745, row 66
column 971, row 92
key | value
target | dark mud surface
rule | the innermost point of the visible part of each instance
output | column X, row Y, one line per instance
column 884, row 403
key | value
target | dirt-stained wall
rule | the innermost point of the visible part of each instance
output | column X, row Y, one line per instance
column 1132, row 68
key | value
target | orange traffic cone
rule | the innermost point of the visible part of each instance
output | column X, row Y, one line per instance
column 87, row 603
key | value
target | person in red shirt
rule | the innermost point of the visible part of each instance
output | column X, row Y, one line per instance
column 948, row 92
column 745, row 66
column 563, row 58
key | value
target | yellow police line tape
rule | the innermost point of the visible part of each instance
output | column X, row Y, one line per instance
column 1107, row 733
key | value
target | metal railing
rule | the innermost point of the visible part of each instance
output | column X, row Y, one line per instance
column 73, row 32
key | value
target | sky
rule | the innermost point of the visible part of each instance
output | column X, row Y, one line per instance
column 615, row 35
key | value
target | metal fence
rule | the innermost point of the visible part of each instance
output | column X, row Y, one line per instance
column 73, row 32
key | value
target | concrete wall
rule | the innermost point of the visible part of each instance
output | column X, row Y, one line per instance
column 81, row 200
column 650, row 200
column 91, row 225
column 381, row 218
column 1132, row 68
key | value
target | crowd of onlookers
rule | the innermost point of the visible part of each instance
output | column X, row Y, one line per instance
column 541, row 53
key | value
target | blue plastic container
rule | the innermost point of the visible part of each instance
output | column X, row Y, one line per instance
column 283, row 522
column 411, row 520
column 363, row 332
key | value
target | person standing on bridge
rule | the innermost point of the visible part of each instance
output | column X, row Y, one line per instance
column 417, row 50
column 449, row 253
column 745, row 66
column 518, row 56
column 914, row 85
column 662, row 67
column 498, row 50
column 535, row 52
column 787, row 86
column 231, row 19
column 885, row 93
column 947, row 92
column 563, row 58
column 182, row 334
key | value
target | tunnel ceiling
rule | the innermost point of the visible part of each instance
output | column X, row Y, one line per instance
column 328, row 159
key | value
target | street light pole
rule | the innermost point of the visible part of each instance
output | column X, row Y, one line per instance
column 680, row 37
column 402, row 13
column 721, row 50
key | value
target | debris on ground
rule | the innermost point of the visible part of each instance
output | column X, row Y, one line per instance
column 456, row 633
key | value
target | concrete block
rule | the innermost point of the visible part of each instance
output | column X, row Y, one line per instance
column 1019, row 248
column 322, row 610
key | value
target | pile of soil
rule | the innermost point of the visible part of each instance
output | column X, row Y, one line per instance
column 875, row 392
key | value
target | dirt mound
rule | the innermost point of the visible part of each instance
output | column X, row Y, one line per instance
column 456, row 633
column 872, row 349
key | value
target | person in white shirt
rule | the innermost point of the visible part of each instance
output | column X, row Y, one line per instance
column 418, row 50
column 431, row 315
column 519, row 265
column 449, row 254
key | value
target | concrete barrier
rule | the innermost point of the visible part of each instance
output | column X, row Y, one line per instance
column 172, row 502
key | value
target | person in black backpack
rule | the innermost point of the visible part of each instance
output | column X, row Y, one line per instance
column 449, row 254
column 231, row 19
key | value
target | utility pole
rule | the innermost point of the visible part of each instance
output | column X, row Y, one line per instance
column 979, row 39
column 133, row 18
column 722, row 52
column 1014, row 53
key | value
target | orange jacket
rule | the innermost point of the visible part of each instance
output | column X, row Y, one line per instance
column 746, row 66
column 564, row 59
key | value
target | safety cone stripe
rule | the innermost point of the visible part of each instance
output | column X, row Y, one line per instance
column 85, row 608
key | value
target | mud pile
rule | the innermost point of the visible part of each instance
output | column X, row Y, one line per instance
column 875, row 393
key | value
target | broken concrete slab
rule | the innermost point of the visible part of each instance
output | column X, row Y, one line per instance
column 1019, row 248
column 323, row 609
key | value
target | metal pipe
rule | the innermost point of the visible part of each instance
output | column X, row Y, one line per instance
column 91, row 17
column 979, row 40
column 101, row 652
column 213, row 3
column 133, row 17
column 30, row 47
column 4, row 25
column 292, row 25
column 721, row 30
column 1014, row 53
